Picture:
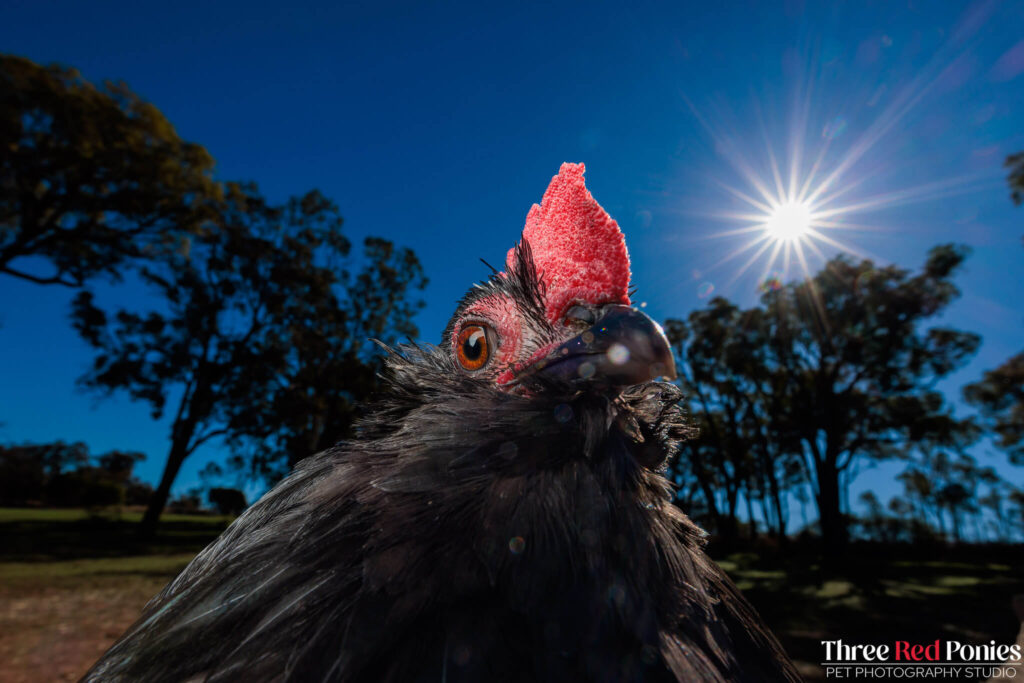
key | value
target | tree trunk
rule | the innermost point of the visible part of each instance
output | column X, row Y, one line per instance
column 750, row 516
column 776, row 499
column 709, row 494
column 956, row 524
column 779, row 515
column 709, row 497
column 730, row 531
column 830, row 515
column 157, row 502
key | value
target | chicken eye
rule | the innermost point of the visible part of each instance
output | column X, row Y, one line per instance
column 473, row 347
column 580, row 315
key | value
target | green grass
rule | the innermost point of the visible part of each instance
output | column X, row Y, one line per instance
column 107, row 566
column 81, row 574
column 8, row 515
column 69, row 549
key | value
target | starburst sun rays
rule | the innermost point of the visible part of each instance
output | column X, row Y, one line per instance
column 793, row 215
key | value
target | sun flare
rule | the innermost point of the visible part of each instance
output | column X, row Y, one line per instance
column 793, row 210
column 789, row 222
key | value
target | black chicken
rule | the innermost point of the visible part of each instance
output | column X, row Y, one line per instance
column 500, row 517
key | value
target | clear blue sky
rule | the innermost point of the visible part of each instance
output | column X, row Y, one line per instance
column 438, row 126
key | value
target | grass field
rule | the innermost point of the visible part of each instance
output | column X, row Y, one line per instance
column 70, row 584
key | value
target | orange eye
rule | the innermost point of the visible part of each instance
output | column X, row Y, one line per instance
column 472, row 347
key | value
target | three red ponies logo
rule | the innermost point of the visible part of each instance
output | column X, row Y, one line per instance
column 935, row 660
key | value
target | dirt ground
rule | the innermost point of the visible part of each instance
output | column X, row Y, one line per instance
column 56, row 633
column 71, row 584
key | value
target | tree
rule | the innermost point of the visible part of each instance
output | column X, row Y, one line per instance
column 877, row 524
column 835, row 371
column 1000, row 396
column 330, row 368
column 227, row 501
column 119, row 464
column 27, row 469
column 59, row 474
column 1015, row 513
column 742, row 445
column 1000, row 393
column 90, row 176
column 1015, row 162
column 862, row 370
column 234, row 305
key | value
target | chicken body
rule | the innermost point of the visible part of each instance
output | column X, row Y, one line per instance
column 495, row 521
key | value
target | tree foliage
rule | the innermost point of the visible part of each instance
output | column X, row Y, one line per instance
column 90, row 176
column 1000, row 396
column 1015, row 162
column 946, row 497
column 825, row 376
column 744, row 444
column 227, row 501
column 330, row 366
column 253, row 339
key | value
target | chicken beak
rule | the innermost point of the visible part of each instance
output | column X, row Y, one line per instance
column 624, row 348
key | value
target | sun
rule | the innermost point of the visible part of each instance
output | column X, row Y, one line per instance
column 794, row 208
column 797, row 208
column 789, row 222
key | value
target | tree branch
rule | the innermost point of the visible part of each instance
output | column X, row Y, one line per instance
column 53, row 280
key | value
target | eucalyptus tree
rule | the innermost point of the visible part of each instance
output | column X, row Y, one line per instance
column 862, row 366
column 825, row 375
column 1000, row 396
column 232, row 325
column 742, row 447
column 1015, row 178
column 91, row 176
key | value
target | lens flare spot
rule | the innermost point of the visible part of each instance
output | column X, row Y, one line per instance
column 705, row 290
column 618, row 354
column 587, row 370
column 616, row 594
column 516, row 545
column 772, row 283
column 834, row 128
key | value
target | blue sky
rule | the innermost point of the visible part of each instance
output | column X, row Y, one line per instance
column 438, row 125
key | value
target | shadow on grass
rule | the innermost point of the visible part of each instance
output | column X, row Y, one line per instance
column 79, row 537
column 880, row 594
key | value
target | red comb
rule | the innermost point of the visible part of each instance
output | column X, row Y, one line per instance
column 577, row 247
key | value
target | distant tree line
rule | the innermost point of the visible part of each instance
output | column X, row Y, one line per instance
column 65, row 475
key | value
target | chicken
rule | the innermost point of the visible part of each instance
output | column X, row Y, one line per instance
column 500, row 516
